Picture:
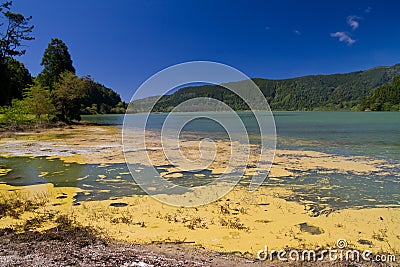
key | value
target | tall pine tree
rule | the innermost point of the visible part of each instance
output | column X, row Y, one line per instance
column 56, row 60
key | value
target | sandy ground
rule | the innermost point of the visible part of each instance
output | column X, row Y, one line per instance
column 241, row 222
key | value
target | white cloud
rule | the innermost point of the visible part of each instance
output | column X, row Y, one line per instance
column 353, row 22
column 344, row 37
column 297, row 32
column 368, row 10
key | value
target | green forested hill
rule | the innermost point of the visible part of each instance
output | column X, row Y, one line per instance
column 337, row 91
column 99, row 99
column 384, row 98
column 316, row 92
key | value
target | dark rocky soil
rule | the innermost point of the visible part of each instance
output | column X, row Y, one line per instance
column 80, row 247
column 70, row 244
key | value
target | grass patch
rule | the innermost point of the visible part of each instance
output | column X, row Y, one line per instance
column 234, row 224
column 66, row 230
column 63, row 227
column 13, row 205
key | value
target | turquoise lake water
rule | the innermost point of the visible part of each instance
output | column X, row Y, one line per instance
column 374, row 135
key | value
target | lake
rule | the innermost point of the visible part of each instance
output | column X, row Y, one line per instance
column 348, row 134
column 375, row 134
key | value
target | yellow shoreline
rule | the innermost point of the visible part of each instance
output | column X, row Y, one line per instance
column 240, row 222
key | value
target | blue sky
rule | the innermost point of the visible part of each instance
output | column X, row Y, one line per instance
column 121, row 43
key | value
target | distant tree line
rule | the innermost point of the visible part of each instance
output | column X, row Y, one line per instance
column 56, row 93
column 351, row 91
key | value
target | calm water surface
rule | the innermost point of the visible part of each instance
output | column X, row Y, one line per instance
column 375, row 135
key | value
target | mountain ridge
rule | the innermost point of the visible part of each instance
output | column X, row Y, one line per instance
column 340, row 91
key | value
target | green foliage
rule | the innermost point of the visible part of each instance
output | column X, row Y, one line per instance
column 38, row 101
column 13, row 78
column 99, row 99
column 120, row 108
column 168, row 102
column 320, row 92
column 56, row 60
column 384, row 98
column 67, row 95
column 57, row 91
column 92, row 110
column 72, row 95
column 16, row 114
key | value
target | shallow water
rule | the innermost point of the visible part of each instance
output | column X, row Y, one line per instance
column 375, row 135
column 102, row 182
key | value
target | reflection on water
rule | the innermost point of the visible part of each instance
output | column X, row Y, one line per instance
column 98, row 181
column 344, row 190
column 112, row 181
